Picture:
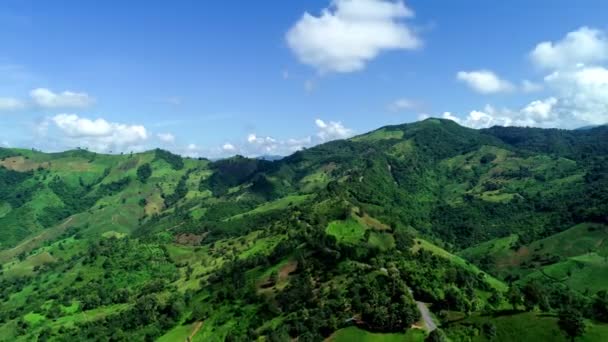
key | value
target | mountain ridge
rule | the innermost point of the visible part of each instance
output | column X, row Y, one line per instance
column 148, row 243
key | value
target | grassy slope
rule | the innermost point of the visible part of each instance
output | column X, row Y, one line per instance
column 118, row 214
column 355, row 334
column 521, row 327
column 423, row 244
column 580, row 249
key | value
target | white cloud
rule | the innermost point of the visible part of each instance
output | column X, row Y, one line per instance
column 47, row 99
column 267, row 145
column 166, row 137
column 257, row 145
column 484, row 81
column 583, row 46
column 401, row 104
column 263, row 144
column 98, row 134
column 332, row 130
column 530, row 87
column 351, row 33
column 578, row 83
column 228, row 147
column 538, row 113
column 450, row 116
column 10, row 104
column 583, row 93
column 423, row 116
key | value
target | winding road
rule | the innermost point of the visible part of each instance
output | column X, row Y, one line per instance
column 425, row 313
column 426, row 316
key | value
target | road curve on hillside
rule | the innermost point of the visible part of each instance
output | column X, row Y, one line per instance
column 426, row 316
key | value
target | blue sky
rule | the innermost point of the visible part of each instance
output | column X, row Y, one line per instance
column 217, row 78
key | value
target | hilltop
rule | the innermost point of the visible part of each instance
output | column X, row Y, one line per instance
column 491, row 228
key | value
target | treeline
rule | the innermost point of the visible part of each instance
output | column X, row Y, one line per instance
column 176, row 162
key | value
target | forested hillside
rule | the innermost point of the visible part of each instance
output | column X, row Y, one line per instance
column 500, row 232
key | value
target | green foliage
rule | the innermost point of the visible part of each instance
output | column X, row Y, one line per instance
column 14, row 188
column 436, row 335
column 176, row 162
column 336, row 241
column 180, row 191
column 144, row 172
column 235, row 171
column 572, row 323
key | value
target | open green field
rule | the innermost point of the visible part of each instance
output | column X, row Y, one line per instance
column 349, row 231
column 281, row 203
column 351, row 334
column 585, row 273
column 521, row 327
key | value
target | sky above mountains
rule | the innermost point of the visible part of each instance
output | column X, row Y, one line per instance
column 219, row 78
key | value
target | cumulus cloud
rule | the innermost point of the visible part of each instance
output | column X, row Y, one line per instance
column 583, row 46
column 350, row 33
column 583, row 93
column 10, row 104
column 538, row 113
column 98, row 134
column 228, row 147
column 166, row 137
column 266, row 145
column 332, row 130
column 484, row 81
column 258, row 145
column 45, row 98
column 577, row 80
column 263, row 144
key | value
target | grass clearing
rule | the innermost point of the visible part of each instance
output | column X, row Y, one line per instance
column 381, row 134
column 349, row 231
column 281, row 203
column 584, row 273
column 178, row 333
column 352, row 334
column 521, row 327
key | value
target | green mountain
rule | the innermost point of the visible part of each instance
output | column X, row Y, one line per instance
column 499, row 232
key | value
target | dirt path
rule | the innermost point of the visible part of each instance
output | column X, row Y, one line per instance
column 426, row 316
column 197, row 327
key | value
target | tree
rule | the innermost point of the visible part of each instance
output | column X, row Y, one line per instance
column 532, row 295
column 436, row 335
column 514, row 296
column 600, row 306
column 489, row 330
column 572, row 323
column 144, row 172
column 495, row 299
